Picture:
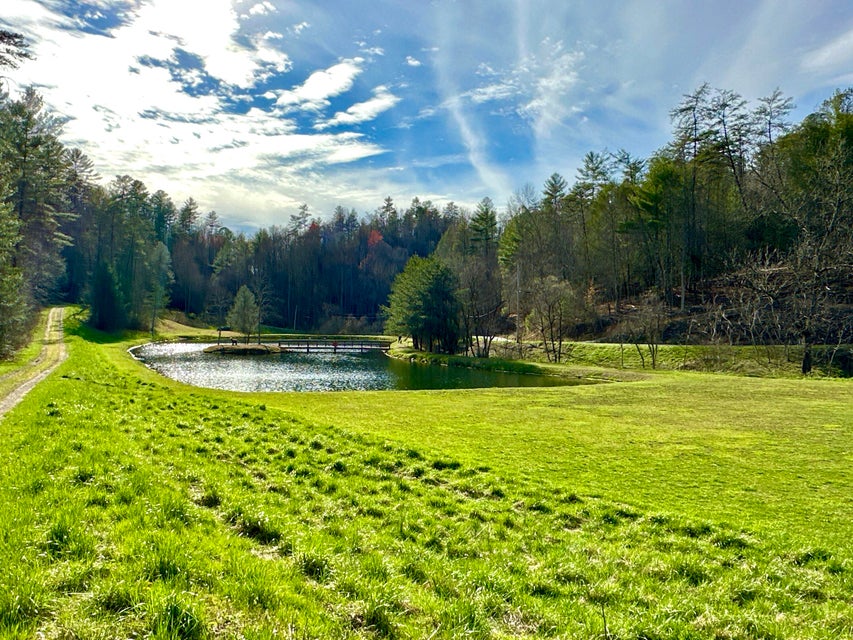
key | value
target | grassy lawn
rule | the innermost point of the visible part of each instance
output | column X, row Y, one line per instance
column 678, row 506
column 774, row 455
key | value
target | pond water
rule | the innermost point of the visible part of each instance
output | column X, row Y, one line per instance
column 320, row 371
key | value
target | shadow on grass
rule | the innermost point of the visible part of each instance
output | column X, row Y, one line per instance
column 77, row 325
column 485, row 364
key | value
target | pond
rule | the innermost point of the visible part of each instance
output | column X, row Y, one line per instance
column 320, row 371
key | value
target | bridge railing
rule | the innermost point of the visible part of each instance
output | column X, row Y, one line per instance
column 334, row 346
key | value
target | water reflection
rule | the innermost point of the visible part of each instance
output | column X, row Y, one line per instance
column 319, row 371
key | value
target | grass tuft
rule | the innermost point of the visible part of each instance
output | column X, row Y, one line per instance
column 22, row 599
column 441, row 465
column 256, row 525
column 810, row 556
column 119, row 597
column 314, row 565
column 176, row 616
column 210, row 499
column 65, row 538
column 379, row 619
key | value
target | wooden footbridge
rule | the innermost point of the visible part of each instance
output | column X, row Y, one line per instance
column 324, row 345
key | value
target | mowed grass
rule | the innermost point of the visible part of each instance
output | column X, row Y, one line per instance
column 774, row 455
column 137, row 507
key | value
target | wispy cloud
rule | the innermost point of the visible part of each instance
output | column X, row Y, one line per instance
column 492, row 177
column 381, row 101
column 536, row 87
column 413, row 62
column 549, row 102
column 470, row 134
column 299, row 28
column 834, row 56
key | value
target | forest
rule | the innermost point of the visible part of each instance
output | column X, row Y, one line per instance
column 739, row 229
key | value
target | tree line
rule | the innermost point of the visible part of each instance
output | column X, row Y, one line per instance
column 742, row 226
column 741, row 223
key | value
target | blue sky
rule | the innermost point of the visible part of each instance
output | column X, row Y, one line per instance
column 254, row 107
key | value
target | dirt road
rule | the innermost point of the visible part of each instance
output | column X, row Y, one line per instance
column 18, row 383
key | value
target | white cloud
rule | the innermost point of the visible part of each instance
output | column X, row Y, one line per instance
column 549, row 105
column 270, row 59
column 262, row 8
column 413, row 62
column 434, row 162
column 212, row 38
column 27, row 16
column 299, row 28
column 381, row 101
column 836, row 55
column 493, row 92
column 536, row 86
column 143, row 123
column 315, row 92
column 154, row 28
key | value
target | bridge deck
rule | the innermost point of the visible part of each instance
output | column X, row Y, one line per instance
column 333, row 346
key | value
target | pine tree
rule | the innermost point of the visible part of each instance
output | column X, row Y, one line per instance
column 13, row 313
column 107, row 310
column 243, row 315
column 37, row 169
column 423, row 305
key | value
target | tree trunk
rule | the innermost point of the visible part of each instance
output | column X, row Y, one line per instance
column 807, row 357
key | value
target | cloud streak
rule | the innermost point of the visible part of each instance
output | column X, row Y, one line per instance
column 382, row 101
column 315, row 92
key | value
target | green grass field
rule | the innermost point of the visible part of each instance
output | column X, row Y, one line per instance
column 675, row 506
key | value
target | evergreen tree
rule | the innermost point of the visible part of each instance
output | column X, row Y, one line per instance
column 469, row 249
column 243, row 315
column 13, row 313
column 484, row 228
column 160, row 270
column 37, row 168
column 83, row 194
column 106, row 306
column 13, row 48
column 423, row 305
column 165, row 216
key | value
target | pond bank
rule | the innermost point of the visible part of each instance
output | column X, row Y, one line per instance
column 575, row 374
